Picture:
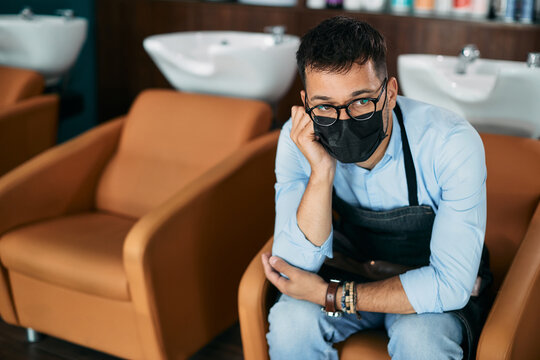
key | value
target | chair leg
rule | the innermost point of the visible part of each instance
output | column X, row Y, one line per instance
column 32, row 335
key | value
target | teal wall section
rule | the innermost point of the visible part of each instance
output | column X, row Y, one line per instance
column 82, row 77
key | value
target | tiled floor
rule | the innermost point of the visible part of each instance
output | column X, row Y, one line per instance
column 13, row 346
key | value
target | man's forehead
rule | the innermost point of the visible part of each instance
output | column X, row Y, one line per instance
column 357, row 77
column 366, row 66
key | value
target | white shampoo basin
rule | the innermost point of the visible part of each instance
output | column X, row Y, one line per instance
column 230, row 63
column 47, row 44
column 493, row 95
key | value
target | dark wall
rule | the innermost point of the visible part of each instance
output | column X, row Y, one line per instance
column 81, row 81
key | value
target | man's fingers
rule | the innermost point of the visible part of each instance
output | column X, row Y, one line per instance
column 307, row 131
column 280, row 265
column 299, row 121
column 272, row 275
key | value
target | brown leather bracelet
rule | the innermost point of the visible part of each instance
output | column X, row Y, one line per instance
column 330, row 304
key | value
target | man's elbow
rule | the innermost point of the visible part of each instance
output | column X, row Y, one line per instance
column 298, row 252
column 455, row 299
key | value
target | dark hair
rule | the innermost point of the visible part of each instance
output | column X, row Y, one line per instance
column 339, row 42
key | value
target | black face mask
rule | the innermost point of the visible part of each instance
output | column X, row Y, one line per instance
column 352, row 141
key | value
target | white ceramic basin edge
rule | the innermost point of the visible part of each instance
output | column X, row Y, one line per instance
column 230, row 63
column 47, row 44
column 494, row 95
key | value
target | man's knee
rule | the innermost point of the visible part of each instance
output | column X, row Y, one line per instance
column 298, row 331
column 425, row 336
column 293, row 320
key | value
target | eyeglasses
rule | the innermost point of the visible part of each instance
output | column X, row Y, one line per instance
column 360, row 109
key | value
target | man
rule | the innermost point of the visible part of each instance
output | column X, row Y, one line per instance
column 405, row 182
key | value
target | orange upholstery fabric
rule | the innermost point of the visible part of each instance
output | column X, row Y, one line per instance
column 511, row 330
column 26, row 129
column 513, row 238
column 85, row 319
column 82, row 252
column 58, row 182
column 158, row 154
column 203, row 238
column 513, row 190
column 513, row 224
column 28, row 122
column 138, row 287
column 18, row 84
column 369, row 345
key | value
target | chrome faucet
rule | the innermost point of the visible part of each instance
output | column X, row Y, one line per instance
column 68, row 14
column 467, row 55
column 277, row 31
column 533, row 60
column 27, row 13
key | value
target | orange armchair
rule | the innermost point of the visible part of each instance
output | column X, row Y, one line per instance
column 513, row 239
column 132, row 238
column 28, row 120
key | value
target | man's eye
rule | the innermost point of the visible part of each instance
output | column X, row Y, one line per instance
column 362, row 102
column 323, row 107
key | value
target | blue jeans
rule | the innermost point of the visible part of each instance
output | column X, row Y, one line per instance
column 300, row 330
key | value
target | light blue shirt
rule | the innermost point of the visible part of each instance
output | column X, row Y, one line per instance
column 451, row 174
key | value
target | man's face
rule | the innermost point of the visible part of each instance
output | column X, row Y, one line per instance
column 341, row 88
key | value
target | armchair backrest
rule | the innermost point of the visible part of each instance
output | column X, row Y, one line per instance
column 513, row 194
column 18, row 84
column 170, row 138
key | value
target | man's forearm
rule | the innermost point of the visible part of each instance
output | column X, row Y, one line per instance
column 314, row 216
column 387, row 296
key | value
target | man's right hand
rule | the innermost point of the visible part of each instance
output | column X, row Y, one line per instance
column 303, row 135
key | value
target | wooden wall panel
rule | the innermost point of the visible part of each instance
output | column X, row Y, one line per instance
column 124, row 68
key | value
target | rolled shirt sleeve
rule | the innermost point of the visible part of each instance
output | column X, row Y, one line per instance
column 458, row 230
column 292, row 175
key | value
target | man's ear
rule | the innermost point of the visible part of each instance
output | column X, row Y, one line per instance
column 303, row 97
column 392, row 88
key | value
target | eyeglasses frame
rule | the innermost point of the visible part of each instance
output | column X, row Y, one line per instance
column 346, row 106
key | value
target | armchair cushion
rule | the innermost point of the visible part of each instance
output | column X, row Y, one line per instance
column 82, row 252
column 366, row 345
column 168, row 140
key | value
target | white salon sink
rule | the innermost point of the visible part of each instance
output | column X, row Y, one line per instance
column 47, row 44
column 493, row 95
column 230, row 63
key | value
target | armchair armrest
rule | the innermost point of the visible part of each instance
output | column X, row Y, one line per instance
column 184, row 260
column 511, row 330
column 26, row 129
column 59, row 181
column 253, row 304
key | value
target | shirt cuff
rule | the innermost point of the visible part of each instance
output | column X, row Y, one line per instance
column 297, row 250
column 420, row 285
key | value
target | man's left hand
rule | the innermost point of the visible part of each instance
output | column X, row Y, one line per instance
column 298, row 283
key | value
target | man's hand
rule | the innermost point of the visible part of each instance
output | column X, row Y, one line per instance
column 301, row 284
column 303, row 135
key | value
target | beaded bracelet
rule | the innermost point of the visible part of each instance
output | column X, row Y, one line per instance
column 343, row 295
column 350, row 298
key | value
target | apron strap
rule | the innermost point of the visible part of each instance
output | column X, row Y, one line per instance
column 410, row 171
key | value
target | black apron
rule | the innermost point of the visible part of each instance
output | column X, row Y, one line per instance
column 396, row 240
